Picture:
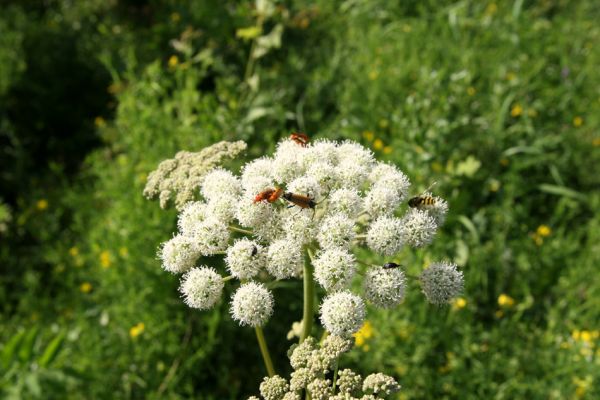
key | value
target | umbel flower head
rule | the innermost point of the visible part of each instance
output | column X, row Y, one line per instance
column 308, row 205
column 441, row 282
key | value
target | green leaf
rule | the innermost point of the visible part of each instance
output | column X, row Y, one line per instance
column 468, row 167
column 32, row 382
column 562, row 191
column 470, row 227
column 248, row 33
column 26, row 348
column 52, row 350
column 8, row 352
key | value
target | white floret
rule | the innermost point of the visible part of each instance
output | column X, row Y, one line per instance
column 220, row 182
column 385, row 236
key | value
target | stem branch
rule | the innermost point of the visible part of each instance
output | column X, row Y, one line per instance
column 264, row 351
column 240, row 230
column 309, row 294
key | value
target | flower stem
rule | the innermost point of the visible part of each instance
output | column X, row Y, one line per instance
column 240, row 230
column 228, row 278
column 335, row 374
column 309, row 297
column 264, row 351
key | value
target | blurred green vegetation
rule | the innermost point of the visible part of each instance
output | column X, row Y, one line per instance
column 497, row 102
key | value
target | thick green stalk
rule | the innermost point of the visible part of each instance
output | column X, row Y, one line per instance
column 264, row 351
column 309, row 297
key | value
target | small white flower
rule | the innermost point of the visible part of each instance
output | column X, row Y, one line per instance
column 351, row 174
column 190, row 216
column 336, row 230
column 305, row 186
column 390, row 176
column 252, row 304
column 245, row 258
column 324, row 173
column 381, row 200
column 261, row 167
column 418, row 228
column 284, row 258
column 255, row 185
column 201, row 287
column 384, row 236
column 320, row 389
column 179, row 254
column 211, row 236
column 334, row 269
column 220, row 182
column 298, row 227
column 252, row 215
column 385, row 287
column 346, row 201
column 353, row 152
column 441, row 282
column 321, row 150
column 223, row 208
column 342, row 313
column 286, row 163
column 274, row 388
column 380, row 384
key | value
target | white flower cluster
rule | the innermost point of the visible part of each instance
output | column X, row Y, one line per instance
column 312, row 366
column 322, row 198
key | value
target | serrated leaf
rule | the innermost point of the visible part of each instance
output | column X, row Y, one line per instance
column 52, row 350
column 9, row 350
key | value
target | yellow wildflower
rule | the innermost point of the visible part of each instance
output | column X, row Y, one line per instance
column 544, row 230
column 471, row 91
column 388, row 150
column 505, row 300
column 575, row 334
column 85, row 287
column 458, row 303
column 368, row 135
column 123, row 252
column 491, row 9
column 511, row 76
column 74, row 251
column 363, row 334
column 175, row 17
column 586, row 336
column 378, row 144
column 105, row 259
column 173, row 61
column 516, row 110
column 577, row 122
column 537, row 239
column 136, row 330
column 384, row 123
column 99, row 122
column 373, row 74
column 596, row 142
column 42, row 204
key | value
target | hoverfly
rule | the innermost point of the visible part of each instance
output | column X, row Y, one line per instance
column 270, row 195
column 422, row 202
column 300, row 138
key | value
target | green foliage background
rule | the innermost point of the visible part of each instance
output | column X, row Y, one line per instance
column 498, row 102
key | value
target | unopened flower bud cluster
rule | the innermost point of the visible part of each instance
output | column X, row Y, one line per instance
column 313, row 364
column 355, row 201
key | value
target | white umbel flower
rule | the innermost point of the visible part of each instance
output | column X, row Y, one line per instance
column 345, row 201
column 321, row 150
column 179, row 254
column 298, row 227
column 211, row 236
column 252, row 215
column 334, row 269
column 354, row 152
column 380, row 384
column 324, row 173
column 342, row 313
column 306, row 186
column 201, row 288
column 382, row 200
column 337, row 230
column 252, row 304
column 387, row 175
column 245, row 258
column 220, row 182
column 286, row 163
column 284, row 258
column 418, row 228
column 351, row 174
column 441, row 282
column 273, row 388
column 223, row 208
column 385, row 287
column 384, row 236
column 192, row 214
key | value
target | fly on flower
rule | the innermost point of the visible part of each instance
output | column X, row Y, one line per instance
column 423, row 201
column 391, row 265
column 270, row 195
column 300, row 138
